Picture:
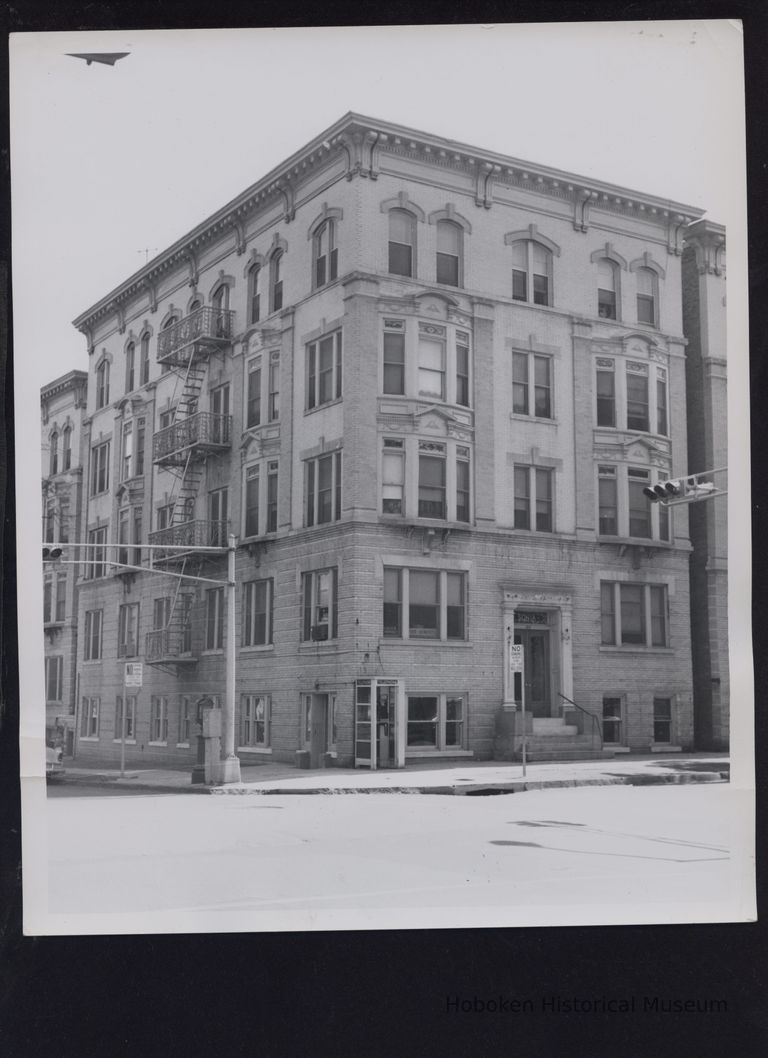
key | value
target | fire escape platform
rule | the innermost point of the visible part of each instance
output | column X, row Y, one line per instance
column 203, row 331
column 197, row 436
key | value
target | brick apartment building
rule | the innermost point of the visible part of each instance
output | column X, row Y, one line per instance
column 425, row 386
column 63, row 405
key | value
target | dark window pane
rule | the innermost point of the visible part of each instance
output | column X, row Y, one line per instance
column 519, row 285
column 400, row 259
column 448, row 269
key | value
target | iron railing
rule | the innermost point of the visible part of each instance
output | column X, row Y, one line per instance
column 203, row 429
column 163, row 643
column 191, row 534
column 593, row 718
column 207, row 326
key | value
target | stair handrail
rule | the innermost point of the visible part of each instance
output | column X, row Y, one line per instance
column 592, row 716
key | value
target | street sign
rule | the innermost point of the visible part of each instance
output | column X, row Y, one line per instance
column 134, row 673
column 516, row 657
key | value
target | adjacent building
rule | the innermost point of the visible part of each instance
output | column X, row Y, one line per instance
column 63, row 405
column 425, row 386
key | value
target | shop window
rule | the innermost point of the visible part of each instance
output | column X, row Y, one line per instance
column 436, row 722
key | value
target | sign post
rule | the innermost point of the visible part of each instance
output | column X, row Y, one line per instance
column 517, row 664
column 133, row 675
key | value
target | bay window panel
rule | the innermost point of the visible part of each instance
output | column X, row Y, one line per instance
column 606, row 398
column 637, row 401
column 424, row 604
column 431, row 369
column 522, row 498
column 253, row 417
column 252, row 483
column 394, row 363
column 272, row 498
column 393, row 605
column 462, row 490
column 520, row 383
column 542, row 387
column 608, row 522
column 544, row 501
column 658, row 616
column 273, row 402
column 661, row 406
column 632, row 602
column 431, row 486
column 607, row 613
column 639, row 504
column 455, row 605
column 393, row 484
column 422, row 721
column 462, row 375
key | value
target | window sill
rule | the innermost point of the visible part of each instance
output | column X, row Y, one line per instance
column 212, row 653
column 627, row 648
column 517, row 416
column 427, row 752
column 128, row 741
column 665, row 747
column 88, row 738
column 92, row 661
column 634, row 541
column 157, row 743
column 423, row 641
column 259, row 648
column 262, row 751
column 182, row 745
column 308, row 645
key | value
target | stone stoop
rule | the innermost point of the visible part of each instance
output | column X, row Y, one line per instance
column 553, row 739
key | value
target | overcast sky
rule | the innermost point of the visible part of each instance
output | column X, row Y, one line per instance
column 110, row 161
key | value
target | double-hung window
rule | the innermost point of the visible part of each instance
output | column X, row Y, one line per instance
column 639, row 504
column 606, row 289
column 218, row 511
column 158, row 721
column 254, row 300
column 126, row 463
column 533, row 499
column 253, row 410
column 214, row 619
column 324, row 370
column 436, row 721
column 432, row 488
column 54, row 461
column 252, row 489
column 320, row 595
column 661, row 402
column 128, row 630
column 637, row 397
column 462, row 369
column 393, row 476
column 531, row 272
column 424, row 604
column 646, row 296
column 449, row 253
column 100, row 468
column 97, row 553
column 325, row 254
column 431, row 364
column 662, row 720
column 130, row 367
column 257, row 613
column 89, row 717
column 608, row 501
column 272, row 496
column 102, row 384
column 276, row 281
column 394, row 357
column 254, row 721
column 144, row 367
column 54, row 672
column 605, row 385
column 130, row 717
column 633, row 614
column 93, row 625
column 322, row 489
column 402, row 242
column 462, row 484
column 532, row 385
column 66, row 453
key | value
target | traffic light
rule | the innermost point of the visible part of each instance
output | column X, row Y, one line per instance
column 663, row 491
column 52, row 554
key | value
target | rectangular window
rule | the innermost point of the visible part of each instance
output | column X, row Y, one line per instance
column 662, row 720
column 161, row 612
column 436, row 721
column 661, row 406
column 214, row 619
column 424, row 604
column 252, row 500
column 606, row 304
column 93, row 623
column 455, row 605
column 324, row 370
column 96, row 566
column 54, row 672
column 257, row 613
column 273, row 396
column 393, row 603
column 61, row 598
column 185, row 608
column 634, row 614
column 431, row 368
column 253, row 411
column 185, row 720
column 612, row 735
column 393, row 477
column 128, row 630
column 637, row 402
column 254, row 720
column 89, row 717
column 100, row 468
column 462, row 374
column 130, row 717
column 123, row 533
column 322, row 491
column 606, row 397
column 533, row 499
column 462, row 485
column 394, row 363
column 639, row 503
column 218, row 513
column 608, row 513
column 431, row 480
column 272, row 497
column 158, row 723
column 538, row 402
column 47, row 598
column 320, row 592
column 127, row 461
column 540, row 267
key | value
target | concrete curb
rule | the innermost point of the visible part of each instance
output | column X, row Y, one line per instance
column 513, row 786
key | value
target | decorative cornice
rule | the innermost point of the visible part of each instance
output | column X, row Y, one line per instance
column 708, row 243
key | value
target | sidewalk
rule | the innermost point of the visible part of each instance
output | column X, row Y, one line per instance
column 474, row 778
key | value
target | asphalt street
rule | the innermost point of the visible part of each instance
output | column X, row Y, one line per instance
column 589, row 854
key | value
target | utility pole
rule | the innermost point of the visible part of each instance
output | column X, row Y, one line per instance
column 229, row 766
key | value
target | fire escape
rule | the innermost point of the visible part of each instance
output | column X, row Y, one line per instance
column 182, row 448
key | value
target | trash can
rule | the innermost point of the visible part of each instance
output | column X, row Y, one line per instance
column 302, row 759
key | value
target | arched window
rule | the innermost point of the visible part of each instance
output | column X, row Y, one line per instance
column 144, row 369
column 646, row 296
column 402, row 242
column 254, row 307
column 166, row 344
column 220, row 301
column 449, row 253
column 130, row 367
column 325, row 254
column 275, row 281
column 66, row 459
column 606, row 289
column 102, row 384
column 54, row 453
column 531, row 272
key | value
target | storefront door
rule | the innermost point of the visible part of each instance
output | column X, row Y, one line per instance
column 379, row 724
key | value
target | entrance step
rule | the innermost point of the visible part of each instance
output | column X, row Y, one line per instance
column 547, row 727
column 534, row 753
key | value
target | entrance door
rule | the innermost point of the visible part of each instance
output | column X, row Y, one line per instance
column 386, row 698
column 535, row 642
column 379, row 724
column 318, row 730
